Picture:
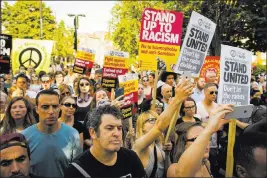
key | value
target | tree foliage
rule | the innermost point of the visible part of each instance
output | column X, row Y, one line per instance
column 22, row 20
column 239, row 23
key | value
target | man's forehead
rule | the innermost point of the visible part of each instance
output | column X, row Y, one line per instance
column 12, row 152
column 21, row 78
column 47, row 98
column 108, row 119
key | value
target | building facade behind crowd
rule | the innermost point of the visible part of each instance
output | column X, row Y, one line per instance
column 62, row 124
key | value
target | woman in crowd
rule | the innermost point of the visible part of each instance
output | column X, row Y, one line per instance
column 141, row 97
column 68, row 107
column 64, row 90
column 151, row 79
column 35, row 83
column 15, row 92
column 3, row 104
column 193, row 145
column 149, row 130
column 83, row 99
column 19, row 116
column 147, row 88
column 188, row 111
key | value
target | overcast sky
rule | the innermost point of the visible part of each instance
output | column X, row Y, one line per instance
column 97, row 13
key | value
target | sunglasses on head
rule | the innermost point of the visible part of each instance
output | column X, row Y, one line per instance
column 213, row 92
column 70, row 104
column 84, row 84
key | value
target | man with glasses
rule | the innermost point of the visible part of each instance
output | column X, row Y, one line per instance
column 204, row 109
column 53, row 144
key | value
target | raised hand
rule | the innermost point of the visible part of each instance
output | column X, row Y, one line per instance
column 216, row 120
column 118, row 104
column 184, row 90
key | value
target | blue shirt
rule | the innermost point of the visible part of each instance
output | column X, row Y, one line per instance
column 198, row 95
column 51, row 153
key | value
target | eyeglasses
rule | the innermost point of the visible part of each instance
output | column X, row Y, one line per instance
column 159, row 105
column 140, row 88
column 151, row 120
column 84, row 84
column 213, row 92
column 65, row 94
column 68, row 105
column 190, row 107
column 145, row 80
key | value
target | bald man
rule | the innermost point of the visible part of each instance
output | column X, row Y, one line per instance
column 211, row 77
column 166, row 92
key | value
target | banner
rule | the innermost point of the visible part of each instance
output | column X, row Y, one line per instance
column 5, row 52
column 130, row 84
column 114, row 65
column 200, row 31
column 160, row 39
column 211, row 63
column 235, row 67
column 35, row 53
column 84, row 61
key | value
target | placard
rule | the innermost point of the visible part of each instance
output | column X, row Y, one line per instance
column 5, row 52
column 84, row 61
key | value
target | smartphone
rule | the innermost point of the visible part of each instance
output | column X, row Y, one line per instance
column 119, row 92
column 243, row 111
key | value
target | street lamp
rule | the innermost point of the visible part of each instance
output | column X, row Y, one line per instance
column 76, row 26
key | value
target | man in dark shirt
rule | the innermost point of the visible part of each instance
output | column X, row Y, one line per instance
column 106, row 157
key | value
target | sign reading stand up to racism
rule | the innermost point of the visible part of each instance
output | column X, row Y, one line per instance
column 5, row 52
column 114, row 65
column 160, row 38
column 196, row 44
column 235, row 67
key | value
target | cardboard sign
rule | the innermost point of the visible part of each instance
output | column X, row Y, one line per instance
column 5, row 52
column 84, row 61
column 211, row 63
column 160, row 39
column 114, row 65
column 235, row 67
column 130, row 84
column 200, row 31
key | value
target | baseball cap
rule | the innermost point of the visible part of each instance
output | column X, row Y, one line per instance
column 5, row 140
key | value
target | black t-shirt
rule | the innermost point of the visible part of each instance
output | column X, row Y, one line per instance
column 127, row 165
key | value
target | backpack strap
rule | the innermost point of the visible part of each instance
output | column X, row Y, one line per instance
column 155, row 167
column 80, row 169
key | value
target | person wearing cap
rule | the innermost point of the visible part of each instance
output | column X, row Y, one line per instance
column 14, row 156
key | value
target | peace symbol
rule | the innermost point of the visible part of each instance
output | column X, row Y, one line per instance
column 30, row 57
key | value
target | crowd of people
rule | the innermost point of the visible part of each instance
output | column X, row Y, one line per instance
column 63, row 124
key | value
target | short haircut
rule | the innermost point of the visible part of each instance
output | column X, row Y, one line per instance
column 207, row 85
column 245, row 146
column 46, row 92
column 21, row 75
column 94, row 118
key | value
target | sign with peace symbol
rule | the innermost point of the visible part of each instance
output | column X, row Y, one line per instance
column 30, row 57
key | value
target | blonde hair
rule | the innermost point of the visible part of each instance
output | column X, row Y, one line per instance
column 140, row 123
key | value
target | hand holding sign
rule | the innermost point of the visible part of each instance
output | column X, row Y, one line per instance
column 216, row 121
column 117, row 102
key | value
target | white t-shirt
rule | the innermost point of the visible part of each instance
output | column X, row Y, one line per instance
column 203, row 113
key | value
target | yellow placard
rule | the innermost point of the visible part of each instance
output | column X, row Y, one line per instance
column 149, row 52
column 129, row 86
column 115, row 62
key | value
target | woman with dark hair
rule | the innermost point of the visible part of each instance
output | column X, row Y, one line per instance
column 68, row 107
column 19, row 116
column 192, row 146
column 188, row 111
column 147, row 88
column 151, row 80
column 83, row 99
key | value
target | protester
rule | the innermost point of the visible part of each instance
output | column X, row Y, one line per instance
column 188, row 111
column 84, row 99
column 151, row 80
column 149, row 129
column 3, row 105
column 166, row 92
column 35, row 84
column 18, row 116
column 106, row 157
column 64, row 90
column 141, row 97
column 250, row 155
column 68, row 107
column 15, row 156
column 211, row 77
column 198, row 94
column 59, row 77
column 147, row 88
column 53, row 144
column 2, row 84
column 46, row 82
column 193, row 145
column 22, row 82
